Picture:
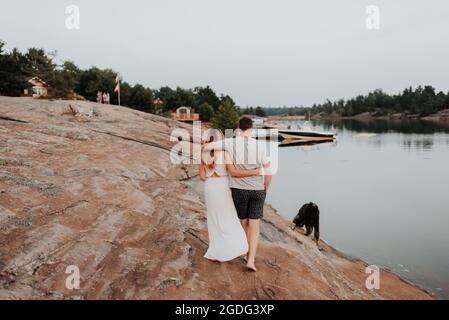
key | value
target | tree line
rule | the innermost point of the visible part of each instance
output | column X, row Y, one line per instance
column 257, row 111
column 421, row 101
column 275, row 111
column 66, row 79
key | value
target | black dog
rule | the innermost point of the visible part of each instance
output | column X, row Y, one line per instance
column 309, row 216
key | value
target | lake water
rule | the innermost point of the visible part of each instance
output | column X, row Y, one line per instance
column 383, row 192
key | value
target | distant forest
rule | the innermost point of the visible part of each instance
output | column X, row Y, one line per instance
column 275, row 111
column 421, row 101
column 66, row 79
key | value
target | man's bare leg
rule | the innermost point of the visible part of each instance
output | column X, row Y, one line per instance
column 245, row 225
column 253, row 241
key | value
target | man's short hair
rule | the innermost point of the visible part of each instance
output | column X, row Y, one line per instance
column 245, row 123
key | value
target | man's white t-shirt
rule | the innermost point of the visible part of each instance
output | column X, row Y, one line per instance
column 246, row 154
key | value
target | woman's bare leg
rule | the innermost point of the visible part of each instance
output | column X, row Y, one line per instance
column 245, row 225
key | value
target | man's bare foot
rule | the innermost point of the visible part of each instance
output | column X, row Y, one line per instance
column 251, row 266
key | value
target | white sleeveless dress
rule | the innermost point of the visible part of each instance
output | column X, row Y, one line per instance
column 227, row 239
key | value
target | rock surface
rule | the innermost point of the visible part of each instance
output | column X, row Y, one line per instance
column 97, row 190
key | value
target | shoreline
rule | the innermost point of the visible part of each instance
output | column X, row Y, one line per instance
column 443, row 118
column 440, row 117
column 342, row 254
column 328, row 247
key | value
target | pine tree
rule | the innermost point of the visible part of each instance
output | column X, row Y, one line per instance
column 226, row 117
column 206, row 112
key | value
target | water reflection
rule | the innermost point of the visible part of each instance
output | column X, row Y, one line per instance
column 421, row 144
column 384, row 126
column 416, row 135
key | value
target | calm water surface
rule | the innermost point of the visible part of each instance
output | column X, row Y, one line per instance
column 383, row 192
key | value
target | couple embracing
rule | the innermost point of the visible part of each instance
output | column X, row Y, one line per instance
column 237, row 175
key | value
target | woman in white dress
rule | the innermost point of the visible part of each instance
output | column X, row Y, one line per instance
column 227, row 239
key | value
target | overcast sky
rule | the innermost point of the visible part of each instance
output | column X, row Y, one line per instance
column 269, row 53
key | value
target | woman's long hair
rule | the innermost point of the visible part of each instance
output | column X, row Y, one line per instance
column 208, row 157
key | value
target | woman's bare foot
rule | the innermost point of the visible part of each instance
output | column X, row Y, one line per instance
column 251, row 266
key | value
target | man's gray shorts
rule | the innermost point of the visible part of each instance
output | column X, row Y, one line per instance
column 249, row 203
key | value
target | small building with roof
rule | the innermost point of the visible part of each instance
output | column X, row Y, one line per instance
column 36, row 88
column 185, row 114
